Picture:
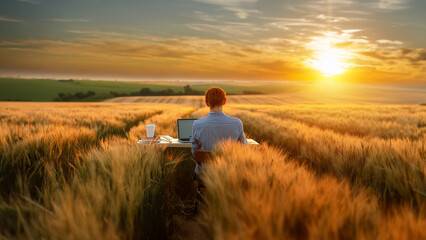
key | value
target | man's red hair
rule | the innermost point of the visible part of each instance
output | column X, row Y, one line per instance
column 215, row 96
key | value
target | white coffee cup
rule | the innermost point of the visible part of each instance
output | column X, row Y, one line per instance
column 150, row 130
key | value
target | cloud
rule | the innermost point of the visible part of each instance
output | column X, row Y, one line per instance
column 346, row 7
column 241, row 12
column 29, row 1
column 351, row 30
column 287, row 23
column 233, row 6
column 332, row 19
column 275, row 65
column 415, row 56
column 5, row 19
column 99, row 34
column 204, row 16
column 294, row 8
column 68, row 20
column 374, row 54
column 356, row 12
column 389, row 42
column 390, row 5
column 226, row 29
column 421, row 55
column 103, row 47
column 318, row 6
column 221, row 29
column 400, row 57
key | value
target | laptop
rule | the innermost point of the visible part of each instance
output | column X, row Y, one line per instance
column 185, row 129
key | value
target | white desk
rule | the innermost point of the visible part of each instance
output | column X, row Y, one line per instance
column 174, row 143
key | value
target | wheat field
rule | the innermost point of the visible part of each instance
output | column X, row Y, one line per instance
column 322, row 171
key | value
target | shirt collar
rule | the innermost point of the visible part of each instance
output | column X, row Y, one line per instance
column 217, row 113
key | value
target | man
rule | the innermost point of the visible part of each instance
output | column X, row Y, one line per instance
column 210, row 130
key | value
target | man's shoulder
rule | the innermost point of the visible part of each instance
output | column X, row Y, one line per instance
column 206, row 120
column 199, row 121
column 234, row 119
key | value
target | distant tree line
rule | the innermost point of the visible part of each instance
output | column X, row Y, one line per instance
column 187, row 90
column 63, row 97
column 67, row 81
column 15, row 100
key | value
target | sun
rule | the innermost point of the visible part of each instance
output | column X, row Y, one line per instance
column 328, row 59
column 329, row 62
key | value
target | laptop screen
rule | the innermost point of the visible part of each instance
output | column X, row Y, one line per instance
column 185, row 128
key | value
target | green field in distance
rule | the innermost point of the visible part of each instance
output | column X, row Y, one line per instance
column 45, row 90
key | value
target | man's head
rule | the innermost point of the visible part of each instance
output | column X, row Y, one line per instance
column 215, row 97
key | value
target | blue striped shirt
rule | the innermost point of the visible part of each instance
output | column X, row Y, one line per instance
column 217, row 126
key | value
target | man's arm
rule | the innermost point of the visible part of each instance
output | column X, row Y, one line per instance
column 242, row 136
column 195, row 143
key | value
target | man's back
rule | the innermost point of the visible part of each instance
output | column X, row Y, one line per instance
column 208, row 131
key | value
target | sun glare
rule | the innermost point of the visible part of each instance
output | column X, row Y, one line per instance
column 329, row 62
column 328, row 59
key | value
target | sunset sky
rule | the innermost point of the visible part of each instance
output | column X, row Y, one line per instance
column 361, row 41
